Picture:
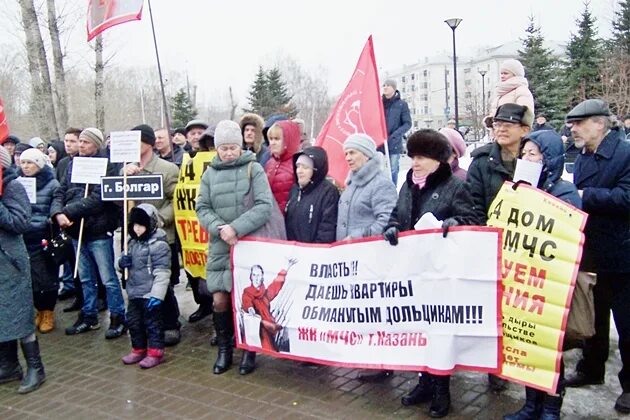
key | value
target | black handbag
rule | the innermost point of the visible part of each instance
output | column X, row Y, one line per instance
column 59, row 249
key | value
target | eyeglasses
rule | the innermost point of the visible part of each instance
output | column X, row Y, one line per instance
column 499, row 124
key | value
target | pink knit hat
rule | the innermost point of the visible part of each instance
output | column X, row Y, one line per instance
column 455, row 139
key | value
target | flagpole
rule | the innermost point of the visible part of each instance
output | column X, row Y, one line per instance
column 144, row 118
column 164, row 103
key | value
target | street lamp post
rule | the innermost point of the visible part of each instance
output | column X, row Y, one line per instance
column 453, row 23
column 483, row 90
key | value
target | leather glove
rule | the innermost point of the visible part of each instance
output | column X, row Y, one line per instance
column 448, row 223
column 124, row 261
column 391, row 235
column 153, row 302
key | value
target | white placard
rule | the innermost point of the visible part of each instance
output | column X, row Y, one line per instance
column 30, row 185
column 527, row 171
column 124, row 146
column 88, row 170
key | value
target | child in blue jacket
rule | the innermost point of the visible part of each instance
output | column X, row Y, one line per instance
column 149, row 264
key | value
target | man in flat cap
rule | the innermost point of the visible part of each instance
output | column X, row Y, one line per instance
column 602, row 176
column 194, row 130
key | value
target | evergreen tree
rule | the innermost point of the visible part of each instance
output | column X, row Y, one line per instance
column 584, row 57
column 543, row 72
column 614, row 70
column 280, row 98
column 621, row 27
column 182, row 108
column 259, row 94
column 269, row 95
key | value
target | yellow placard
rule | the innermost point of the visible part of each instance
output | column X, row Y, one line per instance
column 192, row 235
column 542, row 247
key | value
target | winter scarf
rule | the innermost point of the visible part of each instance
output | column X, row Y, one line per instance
column 510, row 84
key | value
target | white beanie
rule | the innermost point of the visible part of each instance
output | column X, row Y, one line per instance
column 361, row 142
column 227, row 132
column 34, row 155
column 513, row 66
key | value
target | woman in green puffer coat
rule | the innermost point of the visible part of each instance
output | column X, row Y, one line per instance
column 222, row 212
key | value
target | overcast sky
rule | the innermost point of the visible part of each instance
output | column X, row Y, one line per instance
column 222, row 43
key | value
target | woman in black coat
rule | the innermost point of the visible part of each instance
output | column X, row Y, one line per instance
column 430, row 188
column 33, row 164
column 311, row 212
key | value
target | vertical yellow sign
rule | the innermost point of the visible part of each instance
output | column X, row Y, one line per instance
column 542, row 247
column 192, row 236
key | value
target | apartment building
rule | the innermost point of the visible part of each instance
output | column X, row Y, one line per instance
column 427, row 86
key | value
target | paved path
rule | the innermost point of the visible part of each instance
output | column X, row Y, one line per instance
column 86, row 380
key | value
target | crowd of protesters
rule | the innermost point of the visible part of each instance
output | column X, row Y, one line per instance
column 258, row 170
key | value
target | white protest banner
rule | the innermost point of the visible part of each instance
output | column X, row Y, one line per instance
column 431, row 303
column 88, row 170
column 124, row 146
column 30, row 185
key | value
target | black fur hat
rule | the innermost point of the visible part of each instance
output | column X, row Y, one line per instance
column 429, row 143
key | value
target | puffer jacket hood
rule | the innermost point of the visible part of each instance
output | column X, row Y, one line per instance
column 146, row 215
column 552, row 148
column 258, row 123
column 320, row 161
column 290, row 139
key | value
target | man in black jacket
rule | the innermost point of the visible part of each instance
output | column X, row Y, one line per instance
column 495, row 163
column 541, row 123
column 71, row 285
column 398, row 121
column 602, row 176
column 73, row 202
column 163, row 148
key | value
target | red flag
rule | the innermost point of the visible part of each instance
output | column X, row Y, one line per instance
column 4, row 125
column 358, row 110
column 103, row 14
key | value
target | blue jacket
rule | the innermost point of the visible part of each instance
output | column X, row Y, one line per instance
column 604, row 177
column 398, row 122
column 150, row 271
column 39, row 229
column 550, row 145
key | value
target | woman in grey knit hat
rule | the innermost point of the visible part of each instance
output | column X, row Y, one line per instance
column 232, row 174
